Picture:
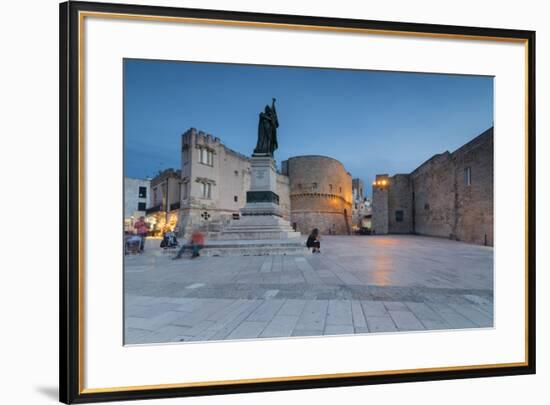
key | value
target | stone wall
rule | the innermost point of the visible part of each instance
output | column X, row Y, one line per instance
column 474, row 202
column 283, row 191
column 380, row 210
column 434, row 197
column 450, row 196
column 400, row 217
column 320, row 194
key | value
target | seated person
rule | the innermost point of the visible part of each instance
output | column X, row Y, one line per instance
column 196, row 243
column 132, row 244
column 313, row 241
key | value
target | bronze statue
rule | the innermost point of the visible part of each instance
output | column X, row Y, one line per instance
column 267, row 131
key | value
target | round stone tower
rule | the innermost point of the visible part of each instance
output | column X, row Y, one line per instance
column 320, row 194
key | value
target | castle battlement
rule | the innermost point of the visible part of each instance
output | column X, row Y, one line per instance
column 198, row 137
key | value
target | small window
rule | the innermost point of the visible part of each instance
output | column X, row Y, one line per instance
column 236, row 172
column 340, row 189
column 399, row 216
column 426, row 206
column 206, row 156
column 141, row 206
column 184, row 191
column 467, row 176
column 211, row 158
column 330, row 187
column 235, row 198
column 206, row 190
column 314, row 186
column 142, row 192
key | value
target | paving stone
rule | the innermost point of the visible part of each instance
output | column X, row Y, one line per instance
column 191, row 305
column 223, row 329
column 427, row 316
column 247, row 330
column 134, row 335
column 338, row 330
column 307, row 332
column 199, row 327
column 473, row 314
column 374, row 308
column 169, row 333
column 313, row 316
column 292, row 307
column 280, row 326
column 395, row 306
column 381, row 324
column 266, row 266
column 405, row 320
column 207, row 308
column 347, row 277
column 339, row 313
column 487, row 309
column 195, row 285
column 359, row 320
column 154, row 323
column 266, row 311
column 453, row 318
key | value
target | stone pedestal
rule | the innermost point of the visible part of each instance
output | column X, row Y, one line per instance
column 262, row 198
column 260, row 230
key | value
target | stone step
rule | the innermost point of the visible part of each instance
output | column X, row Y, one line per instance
column 255, row 250
column 254, row 230
column 260, row 234
column 255, row 227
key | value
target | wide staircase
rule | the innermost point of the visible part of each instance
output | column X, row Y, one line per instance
column 256, row 235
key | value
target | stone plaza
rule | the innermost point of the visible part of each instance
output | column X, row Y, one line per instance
column 358, row 284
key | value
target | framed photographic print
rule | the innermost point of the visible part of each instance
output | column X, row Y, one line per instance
column 255, row 202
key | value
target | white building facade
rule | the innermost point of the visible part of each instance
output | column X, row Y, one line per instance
column 136, row 199
column 214, row 182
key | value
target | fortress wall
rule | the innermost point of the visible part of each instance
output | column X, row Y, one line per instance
column 320, row 194
column 474, row 202
column 400, row 203
column 450, row 196
column 434, row 197
column 283, row 191
column 380, row 208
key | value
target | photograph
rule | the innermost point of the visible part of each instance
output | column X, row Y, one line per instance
column 283, row 202
column 291, row 202
column 256, row 201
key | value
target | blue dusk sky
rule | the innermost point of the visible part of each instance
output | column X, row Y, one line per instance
column 373, row 122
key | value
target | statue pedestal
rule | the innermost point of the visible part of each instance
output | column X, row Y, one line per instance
column 261, row 230
column 262, row 198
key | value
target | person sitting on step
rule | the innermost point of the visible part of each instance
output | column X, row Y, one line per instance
column 314, row 241
column 196, row 243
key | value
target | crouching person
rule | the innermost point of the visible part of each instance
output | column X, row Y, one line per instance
column 314, row 241
column 196, row 243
